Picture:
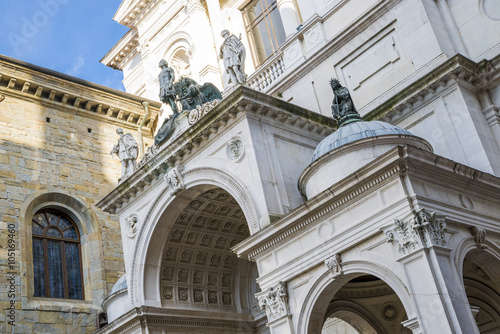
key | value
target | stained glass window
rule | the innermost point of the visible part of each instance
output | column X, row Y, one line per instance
column 57, row 266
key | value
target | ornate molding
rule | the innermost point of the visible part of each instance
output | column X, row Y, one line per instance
column 150, row 154
column 175, row 179
column 275, row 301
column 334, row 264
column 423, row 230
column 479, row 235
column 196, row 114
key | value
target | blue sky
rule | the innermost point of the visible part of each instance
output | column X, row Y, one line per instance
column 69, row 36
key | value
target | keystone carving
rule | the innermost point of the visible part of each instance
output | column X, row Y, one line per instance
column 480, row 236
column 424, row 229
column 274, row 301
column 175, row 180
column 334, row 264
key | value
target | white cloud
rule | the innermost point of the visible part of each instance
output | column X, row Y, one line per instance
column 77, row 66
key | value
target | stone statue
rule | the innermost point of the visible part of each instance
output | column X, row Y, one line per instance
column 166, row 79
column 343, row 110
column 189, row 93
column 127, row 150
column 233, row 53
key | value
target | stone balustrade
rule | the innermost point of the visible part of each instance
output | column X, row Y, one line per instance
column 268, row 73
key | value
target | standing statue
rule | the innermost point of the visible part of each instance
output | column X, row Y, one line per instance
column 233, row 53
column 127, row 150
column 166, row 79
column 343, row 110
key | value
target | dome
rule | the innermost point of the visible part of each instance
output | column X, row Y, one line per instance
column 348, row 149
column 356, row 131
column 121, row 284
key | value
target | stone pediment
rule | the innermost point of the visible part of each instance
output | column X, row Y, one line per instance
column 191, row 137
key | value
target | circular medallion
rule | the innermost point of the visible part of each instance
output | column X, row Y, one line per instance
column 235, row 149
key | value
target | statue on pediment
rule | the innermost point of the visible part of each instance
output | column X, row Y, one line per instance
column 232, row 52
column 127, row 150
column 166, row 79
column 190, row 95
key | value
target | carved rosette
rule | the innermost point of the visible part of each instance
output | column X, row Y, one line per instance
column 275, row 301
column 132, row 225
column 334, row 264
column 423, row 230
column 175, row 180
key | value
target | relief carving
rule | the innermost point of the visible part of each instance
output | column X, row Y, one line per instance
column 175, row 180
column 132, row 224
column 480, row 236
column 274, row 301
column 424, row 229
column 334, row 264
column 235, row 149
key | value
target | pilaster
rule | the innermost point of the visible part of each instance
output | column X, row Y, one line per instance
column 421, row 247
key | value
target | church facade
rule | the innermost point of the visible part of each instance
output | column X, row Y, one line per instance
column 259, row 213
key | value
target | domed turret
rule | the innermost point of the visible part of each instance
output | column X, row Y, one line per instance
column 355, row 144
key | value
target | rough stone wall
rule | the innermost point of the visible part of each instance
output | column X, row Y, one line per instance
column 60, row 154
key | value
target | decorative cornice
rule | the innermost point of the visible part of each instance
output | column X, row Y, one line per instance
column 130, row 11
column 124, row 50
column 157, row 317
column 457, row 69
column 243, row 101
column 33, row 83
column 395, row 163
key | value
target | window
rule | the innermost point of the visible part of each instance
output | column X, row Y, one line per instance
column 57, row 265
column 264, row 28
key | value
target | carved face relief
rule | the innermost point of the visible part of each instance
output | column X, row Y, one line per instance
column 132, row 223
column 235, row 149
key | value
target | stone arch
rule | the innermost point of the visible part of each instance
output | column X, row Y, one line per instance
column 353, row 315
column 177, row 53
column 478, row 268
column 468, row 245
column 316, row 303
column 85, row 219
column 146, row 259
column 198, row 269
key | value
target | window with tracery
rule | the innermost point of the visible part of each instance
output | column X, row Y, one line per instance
column 264, row 28
column 57, row 264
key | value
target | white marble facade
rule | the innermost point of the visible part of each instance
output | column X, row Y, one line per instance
column 232, row 228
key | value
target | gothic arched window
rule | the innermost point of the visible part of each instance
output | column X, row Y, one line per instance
column 57, row 260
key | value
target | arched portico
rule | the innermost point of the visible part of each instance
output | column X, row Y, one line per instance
column 318, row 302
column 150, row 245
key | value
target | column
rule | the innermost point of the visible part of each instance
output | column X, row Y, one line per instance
column 434, row 283
column 289, row 16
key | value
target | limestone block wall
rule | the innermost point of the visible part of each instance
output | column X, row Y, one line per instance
column 55, row 157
